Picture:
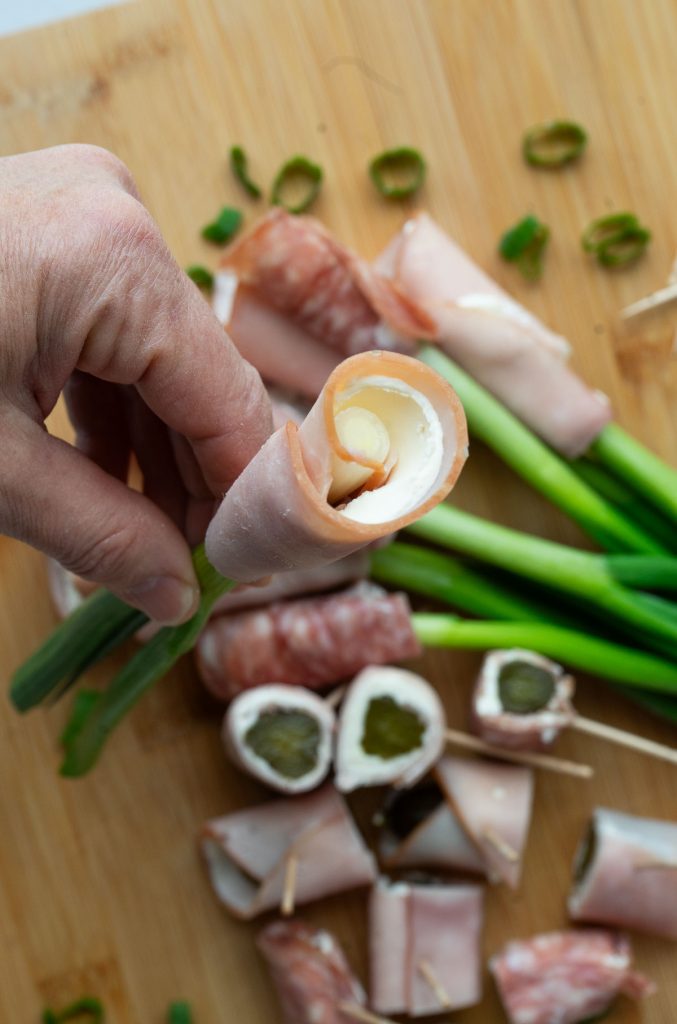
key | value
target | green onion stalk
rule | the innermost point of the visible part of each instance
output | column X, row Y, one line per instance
column 592, row 579
column 635, row 465
column 532, row 459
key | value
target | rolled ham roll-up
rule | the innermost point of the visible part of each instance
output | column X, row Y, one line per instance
column 248, row 852
column 282, row 735
column 522, row 701
column 626, row 874
column 390, row 729
column 383, row 444
column 313, row 642
column 503, row 346
column 424, row 946
column 310, row 973
column 565, row 977
column 493, row 803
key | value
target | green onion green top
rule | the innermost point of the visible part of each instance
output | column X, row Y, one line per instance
column 524, row 244
column 524, row 688
column 200, row 276
column 88, row 1010
column 287, row 739
column 298, row 171
column 238, row 165
column 224, row 227
column 616, row 240
column 390, row 729
column 554, row 143
column 398, row 173
column 179, row 1013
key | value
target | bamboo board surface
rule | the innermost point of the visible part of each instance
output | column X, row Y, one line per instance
column 101, row 888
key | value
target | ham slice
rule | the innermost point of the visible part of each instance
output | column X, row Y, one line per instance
column 513, row 726
column 277, row 515
column 565, row 977
column 247, row 852
column 294, row 266
column 313, row 642
column 424, row 943
column 626, row 874
column 493, row 803
column 310, row 973
column 495, row 339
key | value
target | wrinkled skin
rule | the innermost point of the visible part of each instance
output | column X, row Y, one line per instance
column 95, row 306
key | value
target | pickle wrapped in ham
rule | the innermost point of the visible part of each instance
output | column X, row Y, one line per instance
column 565, row 977
column 310, row 973
column 313, row 642
column 493, row 802
column 424, row 947
column 282, row 735
column 248, row 852
column 495, row 339
column 522, row 701
column 625, row 874
column 384, row 443
column 390, row 729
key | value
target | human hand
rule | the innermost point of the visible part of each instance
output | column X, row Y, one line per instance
column 94, row 304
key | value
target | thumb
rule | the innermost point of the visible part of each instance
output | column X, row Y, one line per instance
column 59, row 501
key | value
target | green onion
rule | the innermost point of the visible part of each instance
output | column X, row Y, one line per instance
column 587, row 653
column 492, row 423
column 238, row 165
column 224, row 227
column 648, row 572
column 604, row 228
column 524, row 245
column 88, row 735
column 200, row 276
column 298, row 169
column 179, row 1013
column 554, row 144
column 398, row 173
column 82, row 707
column 89, row 1009
column 639, row 468
column 616, row 240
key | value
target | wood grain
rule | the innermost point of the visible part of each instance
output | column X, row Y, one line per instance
column 100, row 884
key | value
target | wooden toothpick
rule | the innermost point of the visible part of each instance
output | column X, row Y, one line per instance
column 501, row 845
column 660, row 298
column 625, row 739
column 289, row 891
column 431, row 978
column 334, row 698
column 552, row 764
column 358, row 1012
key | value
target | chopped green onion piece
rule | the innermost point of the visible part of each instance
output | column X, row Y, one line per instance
column 604, row 228
column 624, row 248
column 200, row 276
column 524, row 244
column 554, row 143
column 222, row 229
column 179, row 1013
column 238, row 165
column 398, row 173
column 82, row 706
column 297, row 169
column 88, row 1010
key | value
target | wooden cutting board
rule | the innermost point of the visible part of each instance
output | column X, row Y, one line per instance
column 101, row 889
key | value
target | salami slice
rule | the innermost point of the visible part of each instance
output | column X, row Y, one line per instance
column 565, row 977
column 313, row 642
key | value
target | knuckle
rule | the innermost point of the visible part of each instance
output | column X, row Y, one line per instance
column 98, row 158
column 106, row 558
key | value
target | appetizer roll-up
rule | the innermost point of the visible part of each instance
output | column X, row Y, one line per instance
column 282, row 735
column 313, row 642
column 522, row 701
column 248, row 852
column 494, row 338
column 565, row 977
column 424, row 947
column 493, row 803
column 390, row 729
column 418, row 829
column 294, row 266
column 625, row 873
column 310, row 973
column 383, row 444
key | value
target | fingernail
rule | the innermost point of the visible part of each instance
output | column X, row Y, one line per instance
column 165, row 599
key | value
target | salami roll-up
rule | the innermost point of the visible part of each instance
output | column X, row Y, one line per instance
column 390, row 729
column 567, row 977
column 313, row 642
column 282, row 735
column 383, row 444
column 495, row 339
column 310, row 973
column 625, row 873
column 248, row 852
column 522, row 701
